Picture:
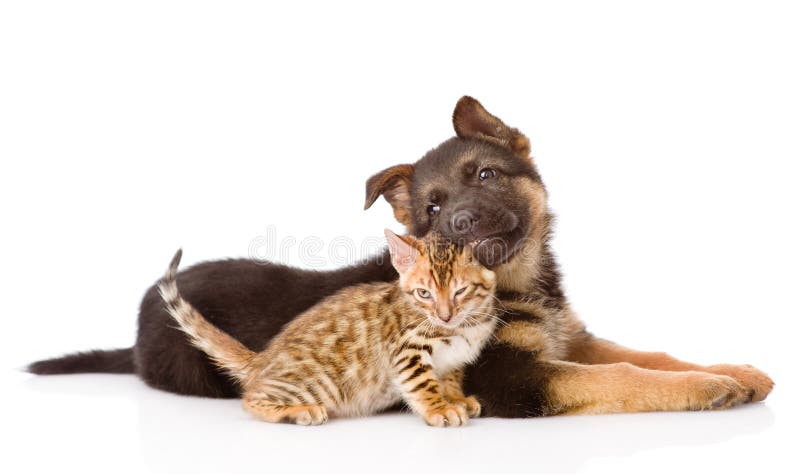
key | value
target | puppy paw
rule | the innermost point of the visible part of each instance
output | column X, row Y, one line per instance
column 756, row 382
column 449, row 415
column 715, row 392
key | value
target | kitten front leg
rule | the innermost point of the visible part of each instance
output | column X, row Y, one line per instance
column 424, row 393
column 452, row 389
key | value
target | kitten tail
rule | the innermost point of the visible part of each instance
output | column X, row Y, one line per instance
column 227, row 352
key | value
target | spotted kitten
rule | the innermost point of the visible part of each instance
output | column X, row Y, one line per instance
column 366, row 347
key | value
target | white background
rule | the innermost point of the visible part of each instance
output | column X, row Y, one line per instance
column 667, row 135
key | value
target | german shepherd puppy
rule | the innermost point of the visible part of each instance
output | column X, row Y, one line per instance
column 480, row 187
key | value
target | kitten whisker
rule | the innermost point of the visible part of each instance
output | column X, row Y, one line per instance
column 490, row 316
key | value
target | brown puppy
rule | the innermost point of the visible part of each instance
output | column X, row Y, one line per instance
column 483, row 186
column 480, row 186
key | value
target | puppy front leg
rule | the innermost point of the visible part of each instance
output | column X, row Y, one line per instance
column 588, row 349
column 513, row 383
column 625, row 388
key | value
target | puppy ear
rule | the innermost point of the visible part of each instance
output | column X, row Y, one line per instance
column 403, row 250
column 471, row 120
column 395, row 185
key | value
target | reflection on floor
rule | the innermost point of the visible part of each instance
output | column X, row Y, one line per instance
column 167, row 433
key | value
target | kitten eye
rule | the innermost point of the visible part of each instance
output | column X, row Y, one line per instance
column 433, row 209
column 423, row 293
column 486, row 173
column 461, row 290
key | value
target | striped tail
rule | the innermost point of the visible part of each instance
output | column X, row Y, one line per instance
column 225, row 351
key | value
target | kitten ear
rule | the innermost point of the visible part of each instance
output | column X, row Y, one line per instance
column 403, row 250
column 471, row 120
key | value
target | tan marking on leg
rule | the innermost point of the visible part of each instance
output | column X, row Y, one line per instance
column 624, row 388
column 523, row 335
column 757, row 382
column 593, row 350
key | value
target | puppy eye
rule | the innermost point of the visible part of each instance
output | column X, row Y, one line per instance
column 486, row 173
column 423, row 293
column 433, row 209
column 461, row 290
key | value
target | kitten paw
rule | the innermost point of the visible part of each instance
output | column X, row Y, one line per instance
column 307, row 415
column 755, row 381
column 449, row 415
column 470, row 404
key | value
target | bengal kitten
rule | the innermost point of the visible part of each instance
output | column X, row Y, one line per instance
column 366, row 347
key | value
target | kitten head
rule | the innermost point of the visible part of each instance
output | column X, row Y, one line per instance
column 445, row 282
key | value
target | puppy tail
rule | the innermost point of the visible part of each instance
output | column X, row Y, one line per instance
column 114, row 361
column 225, row 351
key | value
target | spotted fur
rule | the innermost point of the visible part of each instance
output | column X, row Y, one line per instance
column 365, row 348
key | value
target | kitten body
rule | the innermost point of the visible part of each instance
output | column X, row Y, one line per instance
column 366, row 347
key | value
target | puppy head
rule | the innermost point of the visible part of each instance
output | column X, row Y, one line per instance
column 479, row 188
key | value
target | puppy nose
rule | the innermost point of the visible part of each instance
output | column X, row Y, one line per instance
column 463, row 221
column 445, row 317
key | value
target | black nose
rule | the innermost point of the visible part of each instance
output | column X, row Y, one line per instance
column 462, row 221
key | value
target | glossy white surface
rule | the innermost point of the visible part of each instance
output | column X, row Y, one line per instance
column 97, row 423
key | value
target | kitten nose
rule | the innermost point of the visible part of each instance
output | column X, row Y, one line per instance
column 445, row 317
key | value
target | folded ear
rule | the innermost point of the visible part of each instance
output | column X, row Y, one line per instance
column 471, row 120
column 395, row 185
column 403, row 250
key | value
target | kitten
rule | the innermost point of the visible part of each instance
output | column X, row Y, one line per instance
column 366, row 347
